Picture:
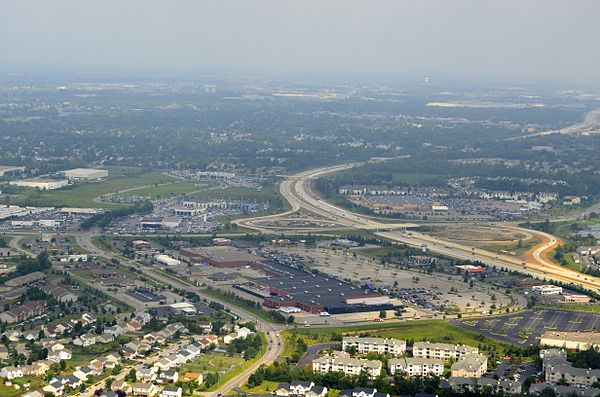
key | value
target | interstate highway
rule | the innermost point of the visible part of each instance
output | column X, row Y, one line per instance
column 298, row 192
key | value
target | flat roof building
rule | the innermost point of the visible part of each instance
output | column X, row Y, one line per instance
column 10, row 169
column 42, row 184
column 547, row 289
column 220, row 256
column 314, row 293
column 570, row 340
column 166, row 260
column 85, row 174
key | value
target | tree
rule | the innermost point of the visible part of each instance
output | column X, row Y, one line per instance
column 382, row 314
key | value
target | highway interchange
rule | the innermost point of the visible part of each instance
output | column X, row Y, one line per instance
column 298, row 192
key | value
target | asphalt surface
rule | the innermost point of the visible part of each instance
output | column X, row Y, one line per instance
column 297, row 191
column 525, row 328
column 275, row 343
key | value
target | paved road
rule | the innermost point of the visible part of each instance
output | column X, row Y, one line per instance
column 297, row 190
column 274, row 346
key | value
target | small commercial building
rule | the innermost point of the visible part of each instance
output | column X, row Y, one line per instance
column 42, row 184
column 166, row 260
column 85, row 174
column 10, row 169
column 547, row 289
column 220, row 256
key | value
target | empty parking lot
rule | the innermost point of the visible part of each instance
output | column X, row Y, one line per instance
column 525, row 328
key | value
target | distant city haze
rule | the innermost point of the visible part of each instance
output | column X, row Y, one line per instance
column 496, row 40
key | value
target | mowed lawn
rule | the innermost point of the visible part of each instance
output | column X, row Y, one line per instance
column 426, row 330
column 169, row 190
column 82, row 195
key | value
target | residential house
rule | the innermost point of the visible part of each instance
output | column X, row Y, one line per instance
column 300, row 389
column 4, row 354
column 171, row 391
column 85, row 340
column 104, row 338
column 192, row 376
column 11, row 372
column 59, row 355
column 144, row 389
column 23, row 312
column 120, row 385
column 54, row 387
column 169, row 376
column 362, row 392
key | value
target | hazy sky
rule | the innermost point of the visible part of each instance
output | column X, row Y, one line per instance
column 463, row 39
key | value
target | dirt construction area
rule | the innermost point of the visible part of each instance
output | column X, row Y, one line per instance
column 479, row 236
column 419, row 291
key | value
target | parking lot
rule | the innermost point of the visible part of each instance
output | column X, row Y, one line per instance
column 525, row 328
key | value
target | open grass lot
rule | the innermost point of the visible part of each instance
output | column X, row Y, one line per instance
column 226, row 366
column 431, row 330
column 168, row 190
column 418, row 178
column 267, row 387
column 10, row 391
column 82, row 195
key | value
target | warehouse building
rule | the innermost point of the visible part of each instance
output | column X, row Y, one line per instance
column 85, row 174
column 10, row 169
column 42, row 184
column 570, row 340
column 221, row 256
column 166, row 260
column 313, row 293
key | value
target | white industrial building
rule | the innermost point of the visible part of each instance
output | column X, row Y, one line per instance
column 166, row 260
column 9, row 169
column 42, row 184
column 547, row 289
column 85, row 174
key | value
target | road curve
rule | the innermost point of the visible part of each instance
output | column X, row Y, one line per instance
column 297, row 191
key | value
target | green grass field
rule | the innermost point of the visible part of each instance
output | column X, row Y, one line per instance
column 169, row 190
column 268, row 194
column 418, row 178
column 10, row 391
column 431, row 330
column 83, row 195
column 227, row 367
